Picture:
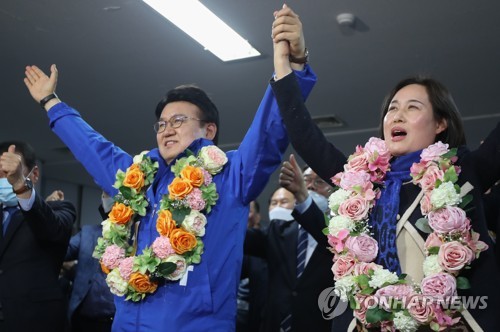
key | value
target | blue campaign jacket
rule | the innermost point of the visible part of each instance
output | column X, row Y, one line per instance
column 208, row 301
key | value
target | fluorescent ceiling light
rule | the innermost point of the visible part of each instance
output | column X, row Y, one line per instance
column 205, row 27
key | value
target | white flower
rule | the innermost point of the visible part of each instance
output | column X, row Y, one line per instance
column 431, row 265
column 444, row 195
column 106, row 229
column 195, row 223
column 339, row 223
column 181, row 267
column 117, row 285
column 110, row 229
column 344, row 286
column 404, row 323
column 337, row 198
column 213, row 158
column 382, row 276
column 138, row 158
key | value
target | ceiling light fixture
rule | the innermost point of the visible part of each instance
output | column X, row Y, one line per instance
column 205, row 27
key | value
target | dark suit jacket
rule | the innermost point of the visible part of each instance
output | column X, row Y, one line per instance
column 287, row 294
column 481, row 168
column 31, row 255
column 81, row 247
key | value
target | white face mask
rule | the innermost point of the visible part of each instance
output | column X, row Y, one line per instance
column 320, row 200
column 281, row 214
column 7, row 196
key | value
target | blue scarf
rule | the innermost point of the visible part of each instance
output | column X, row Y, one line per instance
column 383, row 218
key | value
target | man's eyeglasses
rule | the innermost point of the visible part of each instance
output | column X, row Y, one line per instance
column 175, row 122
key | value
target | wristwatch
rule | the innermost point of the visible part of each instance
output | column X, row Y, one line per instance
column 28, row 185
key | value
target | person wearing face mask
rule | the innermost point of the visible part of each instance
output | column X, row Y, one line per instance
column 34, row 235
column 91, row 304
column 298, row 260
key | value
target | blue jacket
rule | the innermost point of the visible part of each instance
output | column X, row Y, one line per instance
column 208, row 301
column 88, row 275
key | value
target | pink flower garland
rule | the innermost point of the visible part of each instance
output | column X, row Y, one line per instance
column 450, row 247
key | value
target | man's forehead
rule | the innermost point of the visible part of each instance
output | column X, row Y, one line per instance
column 179, row 107
column 282, row 193
column 309, row 172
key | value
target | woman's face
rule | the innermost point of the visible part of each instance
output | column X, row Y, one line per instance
column 409, row 124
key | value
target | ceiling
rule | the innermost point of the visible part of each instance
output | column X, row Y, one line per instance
column 116, row 59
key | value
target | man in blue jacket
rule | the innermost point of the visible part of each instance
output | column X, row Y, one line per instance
column 206, row 297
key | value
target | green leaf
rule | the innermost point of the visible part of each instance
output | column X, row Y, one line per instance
column 128, row 193
column 465, row 200
column 434, row 326
column 326, row 231
column 374, row 315
column 166, row 268
column 450, row 175
column 463, row 283
column 423, row 225
column 433, row 250
column 363, row 280
column 450, row 154
column 367, row 291
column 179, row 214
column 352, row 303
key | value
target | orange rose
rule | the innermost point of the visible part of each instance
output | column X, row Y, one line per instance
column 104, row 268
column 165, row 224
column 120, row 214
column 179, row 188
column 182, row 241
column 134, row 178
column 192, row 174
column 141, row 283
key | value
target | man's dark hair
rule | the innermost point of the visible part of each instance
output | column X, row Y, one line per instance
column 22, row 148
column 195, row 96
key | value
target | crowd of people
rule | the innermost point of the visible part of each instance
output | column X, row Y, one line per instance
column 181, row 247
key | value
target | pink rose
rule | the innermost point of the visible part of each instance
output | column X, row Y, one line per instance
column 378, row 158
column 355, row 208
column 440, row 286
column 351, row 179
column 417, row 171
column 357, row 161
column 433, row 240
column 448, row 219
column 472, row 240
column 431, row 175
column 421, row 308
column 425, row 204
column 364, row 268
column 343, row 266
column 453, row 256
column 434, row 151
column 364, row 247
column 377, row 145
column 112, row 256
column 388, row 294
